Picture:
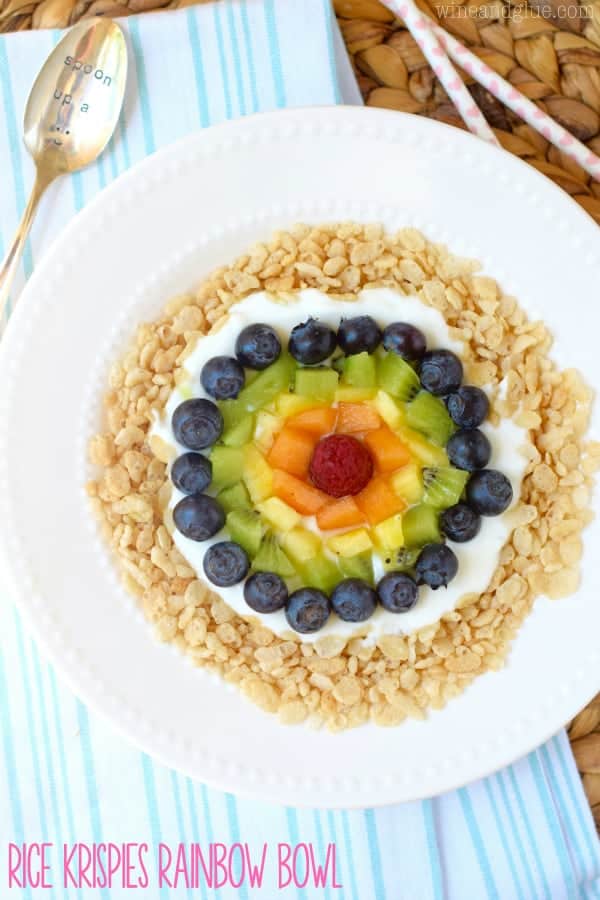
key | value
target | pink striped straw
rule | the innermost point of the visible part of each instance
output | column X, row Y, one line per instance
column 419, row 27
column 445, row 45
column 521, row 105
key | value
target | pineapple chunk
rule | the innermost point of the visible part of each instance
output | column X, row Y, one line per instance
column 388, row 534
column 350, row 543
column 257, row 474
column 278, row 514
column 290, row 404
column 267, row 425
column 349, row 394
column 407, row 482
column 388, row 409
column 300, row 544
column 426, row 452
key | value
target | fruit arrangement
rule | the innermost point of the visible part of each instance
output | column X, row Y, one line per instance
column 336, row 468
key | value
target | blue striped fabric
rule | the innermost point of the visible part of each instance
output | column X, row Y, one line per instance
column 525, row 833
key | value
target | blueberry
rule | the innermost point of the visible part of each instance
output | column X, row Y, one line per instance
column 441, row 372
column 257, row 346
column 405, row 340
column 468, row 407
column 436, row 566
column 353, row 600
column 489, row 492
column 460, row 523
column 265, row 592
column 357, row 335
column 469, row 449
column 222, row 377
column 198, row 517
column 197, row 424
column 191, row 473
column 397, row 592
column 225, row 563
column 311, row 342
column 307, row 610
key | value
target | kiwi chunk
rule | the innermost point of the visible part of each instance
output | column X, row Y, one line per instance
column 397, row 377
column 360, row 371
column 429, row 415
column 420, row 526
column 235, row 497
column 227, row 466
column 233, row 412
column 271, row 558
column 443, row 485
column 240, row 433
column 401, row 560
column 246, row 529
column 274, row 380
column 360, row 566
column 320, row 572
column 318, row 383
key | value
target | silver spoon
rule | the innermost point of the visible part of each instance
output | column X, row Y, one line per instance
column 70, row 117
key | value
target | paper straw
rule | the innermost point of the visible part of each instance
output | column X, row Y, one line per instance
column 444, row 43
column 521, row 105
column 419, row 27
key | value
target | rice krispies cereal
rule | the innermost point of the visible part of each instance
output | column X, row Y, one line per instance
column 345, row 683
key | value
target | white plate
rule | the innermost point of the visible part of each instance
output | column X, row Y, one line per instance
column 159, row 229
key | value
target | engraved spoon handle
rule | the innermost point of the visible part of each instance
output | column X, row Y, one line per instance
column 11, row 260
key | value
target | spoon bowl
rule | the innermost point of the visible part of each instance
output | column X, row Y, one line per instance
column 76, row 99
column 71, row 114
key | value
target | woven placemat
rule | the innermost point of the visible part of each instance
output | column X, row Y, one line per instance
column 549, row 49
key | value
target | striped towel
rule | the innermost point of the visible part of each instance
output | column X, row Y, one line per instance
column 65, row 776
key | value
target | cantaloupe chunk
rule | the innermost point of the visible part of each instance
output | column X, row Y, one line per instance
column 318, row 421
column 378, row 501
column 291, row 451
column 339, row 514
column 355, row 417
column 300, row 496
column 388, row 451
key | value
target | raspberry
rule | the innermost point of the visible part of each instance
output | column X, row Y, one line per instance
column 341, row 465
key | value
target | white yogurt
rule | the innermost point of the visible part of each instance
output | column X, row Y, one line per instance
column 477, row 559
